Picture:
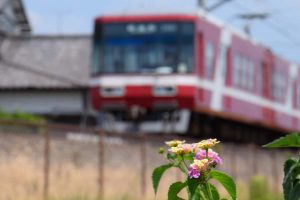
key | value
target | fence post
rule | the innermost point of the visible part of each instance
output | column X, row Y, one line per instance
column 46, row 162
column 143, row 164
column 234, row 162
column 275, row 171
column 254, row 154
column 101, row 164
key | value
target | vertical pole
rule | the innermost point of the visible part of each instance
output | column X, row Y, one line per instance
column 202, row 4
column 101, row 164
column 254, row 159
column 143, row 165
column 275, row 172
column 46, row 162
column 234, row 163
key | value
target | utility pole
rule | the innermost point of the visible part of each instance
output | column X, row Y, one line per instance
column 250, row 17
column 202, row 4
column 217, row 5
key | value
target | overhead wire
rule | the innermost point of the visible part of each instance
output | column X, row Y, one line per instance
column 283, row 32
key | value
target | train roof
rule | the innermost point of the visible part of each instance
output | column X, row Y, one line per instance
column 174, row 17
column 142, row 18
column 184, row 17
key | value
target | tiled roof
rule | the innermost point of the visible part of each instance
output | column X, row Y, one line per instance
column 2, row 3
column 45, row 62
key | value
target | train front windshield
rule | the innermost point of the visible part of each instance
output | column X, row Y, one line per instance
column 144, row 48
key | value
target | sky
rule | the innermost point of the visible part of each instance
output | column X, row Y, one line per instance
column 281, row 31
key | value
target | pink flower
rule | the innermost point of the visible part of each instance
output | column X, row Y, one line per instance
column 211, row 155
column 197, row 167
column 194, row 172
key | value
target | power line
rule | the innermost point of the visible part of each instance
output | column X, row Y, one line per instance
column 202, row 4
column 275, row 27
column 217, row 5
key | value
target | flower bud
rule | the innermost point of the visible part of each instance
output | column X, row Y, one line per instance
column 161, row 150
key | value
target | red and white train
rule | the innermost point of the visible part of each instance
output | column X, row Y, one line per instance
column 172, row 68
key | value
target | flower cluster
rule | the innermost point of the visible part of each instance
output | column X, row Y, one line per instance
column 209, row 154
column 197, row 167
column 204, row 158
column 174, row 143
column 206, row 144
column 197, row 161
column 182, row 149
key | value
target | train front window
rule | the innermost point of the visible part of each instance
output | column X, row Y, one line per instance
column 144, row 48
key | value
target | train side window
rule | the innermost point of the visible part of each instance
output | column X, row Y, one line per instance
column 274, row 85
column 244, row 71
column 298, row 95
column 209, row 59
column 251, row 75
column 282, row 89
column 243, row 74
column 224, row 59
column 278, row 84
column 236, row 70
column 260, row 78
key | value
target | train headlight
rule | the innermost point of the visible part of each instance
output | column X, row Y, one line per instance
column 112, row 91
column 164, row 91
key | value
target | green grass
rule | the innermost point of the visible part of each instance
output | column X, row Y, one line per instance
column 22, row 116
column 260, row 190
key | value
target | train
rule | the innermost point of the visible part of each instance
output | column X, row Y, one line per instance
column 189, row 74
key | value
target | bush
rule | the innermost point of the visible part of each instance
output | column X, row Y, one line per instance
column 260, row 190
column 291, row 167
column 22, row 116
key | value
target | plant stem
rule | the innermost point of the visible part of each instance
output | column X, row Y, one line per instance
column 183, row 169
column 185, row 163
column 207, row 187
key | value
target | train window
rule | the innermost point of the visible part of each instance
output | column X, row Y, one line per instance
column 278, row 85
column 243, row 74
column 250, row 75
column 144, row 48
column 259, row 78
column 209, row 59
column 236, row 70
column 224, row 59
column 298, row 94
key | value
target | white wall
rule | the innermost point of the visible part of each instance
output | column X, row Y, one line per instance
column 42, row 102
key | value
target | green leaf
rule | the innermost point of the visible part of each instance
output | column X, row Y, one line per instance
column 192, row 185
column 295, row 192
column 214, row 192
column 291, row 140
column 226, row 181
column 157, row 174
column 189, row 157
column 289, row 164
column 171, row 156
column 203, row 192
column 174, row 189
column 287, row 184
column 197, row 195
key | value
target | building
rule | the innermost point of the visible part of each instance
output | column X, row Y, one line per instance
column 46, row 75
column 13, row 18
